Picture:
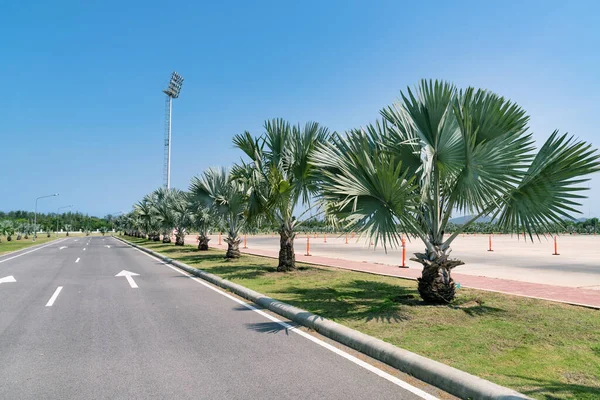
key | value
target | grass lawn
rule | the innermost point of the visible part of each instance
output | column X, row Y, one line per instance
column 543, row 349
column 14, row 244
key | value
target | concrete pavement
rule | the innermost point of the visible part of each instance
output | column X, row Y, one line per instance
column 169, row 337
column 514, row 267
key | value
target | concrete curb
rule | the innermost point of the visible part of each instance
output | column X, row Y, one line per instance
column 449, row 379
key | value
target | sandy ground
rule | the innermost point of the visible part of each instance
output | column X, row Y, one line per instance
column 578, row 264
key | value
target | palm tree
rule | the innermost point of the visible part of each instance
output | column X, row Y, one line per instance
column 7, row 229
column 148, row 217
column 280, row 177
column 226, row 197
column 442, row 150
column 182, row 214
column 202, row 220
column 161, row 203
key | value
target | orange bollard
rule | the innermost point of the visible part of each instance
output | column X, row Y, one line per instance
column 219, row 238
column 307, row 245
column 346, row 238
column 352, row 235
column 555, row 248
column 245, row 242
column 490, row 244
column 403, row 253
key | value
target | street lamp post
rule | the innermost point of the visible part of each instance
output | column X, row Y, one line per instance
column 35, row 214
column 57, row 212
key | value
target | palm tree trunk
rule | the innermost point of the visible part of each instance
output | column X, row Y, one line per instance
column 203, row 242
column 287, row 257
column 179, row 238
column 436, row 285
column 233, row 247
column 166, row 237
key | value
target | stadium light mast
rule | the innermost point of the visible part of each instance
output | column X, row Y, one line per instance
column 172, row 92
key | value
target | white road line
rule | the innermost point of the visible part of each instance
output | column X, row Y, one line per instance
column 84, row 249
column 77, row 259
column 31, row 251
column 62, row 247
column 349, row 357
column 54, row 296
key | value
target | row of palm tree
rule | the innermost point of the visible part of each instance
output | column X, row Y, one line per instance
column 9, row 228
column 439, row 150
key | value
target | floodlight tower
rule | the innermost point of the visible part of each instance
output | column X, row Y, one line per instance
column 172, row 92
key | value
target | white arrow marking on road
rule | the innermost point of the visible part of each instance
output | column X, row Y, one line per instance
column 62, row 247
column 107, row 245
column 8, row 279
column 77, row 259
column 129, row 275
column 54, row 296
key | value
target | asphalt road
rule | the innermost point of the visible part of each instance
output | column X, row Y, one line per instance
column 159, row 334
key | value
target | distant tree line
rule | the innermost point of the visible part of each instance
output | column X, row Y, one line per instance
column 588, row 226
column 23, row 222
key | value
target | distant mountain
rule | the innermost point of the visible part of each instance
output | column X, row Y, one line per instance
column 467, row 218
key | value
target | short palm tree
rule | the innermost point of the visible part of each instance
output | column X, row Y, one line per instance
column 7, row 229
column 182, row 214
column 226, row 197
column 162, row 201
column 440, row 151
column 203, row 219
column 148, row 217
column 280, row 177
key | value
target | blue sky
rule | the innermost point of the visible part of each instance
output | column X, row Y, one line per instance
column 82, row 109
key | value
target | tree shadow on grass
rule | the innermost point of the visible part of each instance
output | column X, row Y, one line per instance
column 481, row 310
column 555, row 390
column 357, row 300
column 474, row 306
column 237, row 271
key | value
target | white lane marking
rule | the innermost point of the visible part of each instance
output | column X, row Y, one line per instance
column 422, row 394
column 76, row 240
column 62, row 247
column 77, row 259
column 54, row 296
column 8, row 279
column 31, row 251
column 129, row 275
column 84, row 249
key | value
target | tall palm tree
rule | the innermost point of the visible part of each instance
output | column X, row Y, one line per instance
column 215, row 190
column 280, row 177
column 441, row 150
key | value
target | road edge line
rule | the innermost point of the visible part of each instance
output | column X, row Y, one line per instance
column 442, row 376
column 30, row 249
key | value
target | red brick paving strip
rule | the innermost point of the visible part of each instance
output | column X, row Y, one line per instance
column 563, row 294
